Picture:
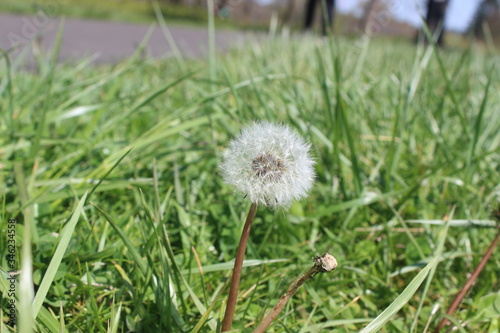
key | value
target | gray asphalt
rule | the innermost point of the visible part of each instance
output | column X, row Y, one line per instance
column 105, row 42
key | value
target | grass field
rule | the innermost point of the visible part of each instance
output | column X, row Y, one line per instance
column 112, row 174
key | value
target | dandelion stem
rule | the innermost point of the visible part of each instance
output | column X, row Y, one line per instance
column 238, row 265
column 324, row 263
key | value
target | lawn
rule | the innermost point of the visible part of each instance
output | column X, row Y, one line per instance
column 112, row 174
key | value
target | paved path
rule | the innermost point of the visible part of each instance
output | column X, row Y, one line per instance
column 107, row 41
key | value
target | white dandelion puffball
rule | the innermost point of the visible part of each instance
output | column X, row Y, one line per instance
column 270, row 164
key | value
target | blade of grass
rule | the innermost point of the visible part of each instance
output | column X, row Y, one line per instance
column 109, row 171
column 477, row 132
column 114, row 324
column 333, row 323
column 26, row 201
column 199, row 305
column 26, row 291
column 48, row 92
column 458, row 223
column 165, row 289
column 416, row 266
column 133, row 251
column 9, row 117
column 400, row 121
column 205, row 316
column 440, row 247
column 230, row 264
column 146, row 100
column 212, row 60
column 62, row 328
column 343, row 121
column 368, row 199
column 401, row 300
column 65, row 237
column 168, row 36
column 412, row 287
column 48, row 320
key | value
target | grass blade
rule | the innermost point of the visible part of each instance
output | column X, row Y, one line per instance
column 477, row 131
column 401, row 300
column 57, row 258
column 230, row 264
column 133, row 251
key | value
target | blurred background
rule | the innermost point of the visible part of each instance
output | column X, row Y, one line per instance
column 462, row 18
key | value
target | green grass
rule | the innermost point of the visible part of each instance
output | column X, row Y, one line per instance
column 115, row 171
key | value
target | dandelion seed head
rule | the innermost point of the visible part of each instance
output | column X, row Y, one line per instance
column 270, row 164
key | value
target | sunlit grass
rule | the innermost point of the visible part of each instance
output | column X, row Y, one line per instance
column 399, row 133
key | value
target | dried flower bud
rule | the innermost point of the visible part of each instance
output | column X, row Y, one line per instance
column 327, row 262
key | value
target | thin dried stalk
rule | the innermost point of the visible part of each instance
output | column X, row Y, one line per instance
column 322, row 264
column 461, row 294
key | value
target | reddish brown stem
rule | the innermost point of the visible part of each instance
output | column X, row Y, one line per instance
column 469, row 282
column 227, row 322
